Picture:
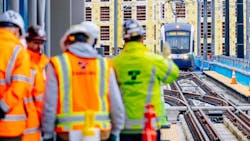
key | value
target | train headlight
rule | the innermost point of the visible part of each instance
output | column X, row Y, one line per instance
column 186, row 56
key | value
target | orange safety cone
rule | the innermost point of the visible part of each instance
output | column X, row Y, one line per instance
column 149, row 132
column 249, row 87
column 233, row 78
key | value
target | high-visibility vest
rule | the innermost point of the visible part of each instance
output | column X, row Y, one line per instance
column 32, row 131
column 83, row 86
column 14, row 84
column 139, row 74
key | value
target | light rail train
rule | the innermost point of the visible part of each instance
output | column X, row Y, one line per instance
column 180, row 37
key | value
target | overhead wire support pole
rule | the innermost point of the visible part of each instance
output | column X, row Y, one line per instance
column 199, row 28
column 213, row 28
column 115, row 27
column 240, row 29
column 173, row 3
column 205, row 30
column 227, row 35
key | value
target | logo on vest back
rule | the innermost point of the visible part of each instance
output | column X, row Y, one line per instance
column 83, row 65
column 133, row 75
column 83, row 71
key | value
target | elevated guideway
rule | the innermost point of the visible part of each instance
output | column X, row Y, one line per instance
column 221, row 69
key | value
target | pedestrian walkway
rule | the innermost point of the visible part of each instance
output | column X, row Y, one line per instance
column 172, row 133
column 242, row 89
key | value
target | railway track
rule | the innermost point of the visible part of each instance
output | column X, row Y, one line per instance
column 190, row 87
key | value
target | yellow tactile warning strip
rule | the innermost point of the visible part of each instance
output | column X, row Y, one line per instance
column 170, row 134
column 227, row 81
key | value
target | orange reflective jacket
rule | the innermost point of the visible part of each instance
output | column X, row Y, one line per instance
column 32, row 132
column 83, row 86
column 14, row 84
column 39, row 60
column 38, row 63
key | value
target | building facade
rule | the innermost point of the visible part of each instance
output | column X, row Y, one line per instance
column 152, row 14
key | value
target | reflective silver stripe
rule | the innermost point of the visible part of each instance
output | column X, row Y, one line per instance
column 150, row 87
column 11, row 63
column 14, row 118
column 132, row 131
column 31, row 130
column 39, row 97
column 139, row 123
column 130, row 123
column 32, row 81
column 170, row 66
column 28, row 100
column 20, row 78
column 102, row 82
column 4, row 106
column 3, row 82
column 65, row 70
column 80, row 118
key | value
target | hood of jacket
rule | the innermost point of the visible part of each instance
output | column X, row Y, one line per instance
column 83, row 50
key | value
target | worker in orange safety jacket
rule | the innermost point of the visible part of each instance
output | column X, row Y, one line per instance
column 78, row 81
column 14, row 77
column 35, row 39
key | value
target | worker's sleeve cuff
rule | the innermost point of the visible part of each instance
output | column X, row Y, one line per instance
column 116, row 132
column 48, row 135
column 4, row 106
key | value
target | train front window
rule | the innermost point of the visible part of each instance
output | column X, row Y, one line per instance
column 178, row 40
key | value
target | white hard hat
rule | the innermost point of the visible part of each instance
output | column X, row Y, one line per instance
column 79, row 28
column 93, row 28
column 12, row 17
column 132, row 28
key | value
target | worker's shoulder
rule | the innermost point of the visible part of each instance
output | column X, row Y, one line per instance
column 154, row 56
column 57, row 58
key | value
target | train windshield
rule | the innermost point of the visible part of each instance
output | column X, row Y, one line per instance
column 179, row 41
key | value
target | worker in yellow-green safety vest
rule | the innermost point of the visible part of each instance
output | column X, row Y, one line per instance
column 140, row 74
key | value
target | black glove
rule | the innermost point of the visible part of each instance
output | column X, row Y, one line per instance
column 2, row 113
column 112, row 137
column 50, row 139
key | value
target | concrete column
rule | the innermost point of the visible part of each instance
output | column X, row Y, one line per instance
column 32, row 14
column 47, row 47
column 14, row 5
column 41, row 13
column 64, row 13
column 1, row 6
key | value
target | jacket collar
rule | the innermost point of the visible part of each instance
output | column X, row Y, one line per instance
column 134, row 47
column 7, row 36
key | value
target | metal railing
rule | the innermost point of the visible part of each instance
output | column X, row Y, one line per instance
column 238, row 63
